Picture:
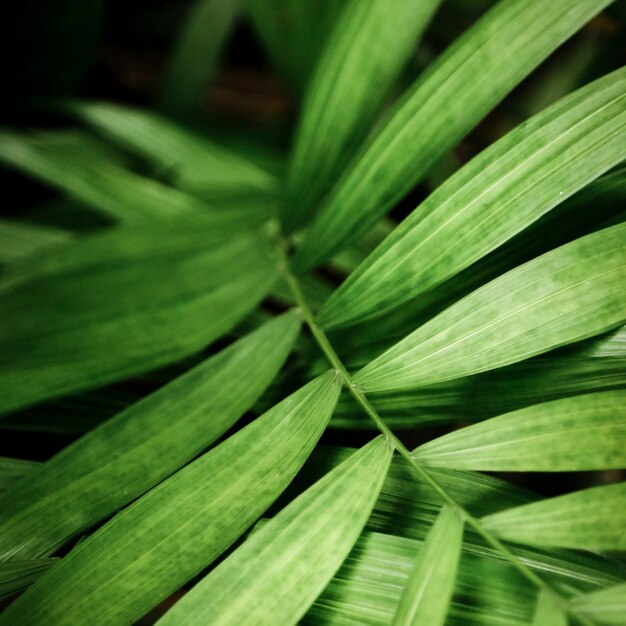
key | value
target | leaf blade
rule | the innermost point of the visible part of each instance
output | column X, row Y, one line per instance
column 203, row 507
column 580, row 433
column 262, row 582
column 426, row 597
column 498, row 324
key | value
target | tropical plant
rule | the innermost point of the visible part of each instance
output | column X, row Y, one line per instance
column 497, row 302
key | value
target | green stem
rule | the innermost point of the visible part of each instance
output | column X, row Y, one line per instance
column 325, row 345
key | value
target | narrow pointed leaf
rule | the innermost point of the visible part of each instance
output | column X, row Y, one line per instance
column 426, row 597
column 17, row 575
column 189, row 160
column 582, row 433
column 193, row 60
column 606, row 606
column 566, row 295
column 276, row 575
column 549, row 612
column 166, row 537
column 592, row 519
column 368, row 46
column 123, row 302
column 496, row 195
column 128, row 454
column 443, row 105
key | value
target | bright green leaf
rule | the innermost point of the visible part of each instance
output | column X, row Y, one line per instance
column 361, row 60
column 566, row 295
column 123, row 302
column 128, row 454
column 586, row 432
column 499, row 193
column 606, row 606
column 170, row 534
column 426, row 597
column 444, row 104
column 591, row 519
column 549, row 612
column 275, row 575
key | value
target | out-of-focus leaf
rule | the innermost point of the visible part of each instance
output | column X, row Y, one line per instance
column 20, row 239
column 549, row 612
column 360, row 62
column 582, row 433
column 128, row 454
column 189, row 160
column 195, row 55
column 167, row 536
column 499, row 193
column 444, row 104
column 17, row 575
column 12, row 470
column 426, row 597
column 126, row 301
column 294, row 32
column 606, row 606
column 276, row 575
column 566, row 295
column 591, row 519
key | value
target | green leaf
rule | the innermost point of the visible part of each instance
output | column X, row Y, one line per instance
column 444, row 104
column 12, row 470
column 195, row 54
column 293, row 33
column 20, row 239
column 426, row 597
column 170, row 534
column 17, row 575
column 128, row 454
column 606, row 606
column 360, row 62
column 566, row 295
column 582, row 433
column 549, row 612
column 69, row 162
column 189, row 160
column 123, row 302
column 495, row 196
column 591, row 519
column 276, row 575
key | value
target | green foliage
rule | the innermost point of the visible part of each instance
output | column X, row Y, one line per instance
column 499, row 300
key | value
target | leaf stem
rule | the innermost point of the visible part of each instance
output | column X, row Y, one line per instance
column 327, row 348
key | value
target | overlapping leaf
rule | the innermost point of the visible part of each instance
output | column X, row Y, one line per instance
column 128, row 454
column 566, row 295
column 167, row 536
column 19, row 239
column 451, row 97
column 17, row 575
column 123, row 302
column 606, row 606
column 368, row 46
column 496, row 195
column 276, row 574
column 549, row 612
